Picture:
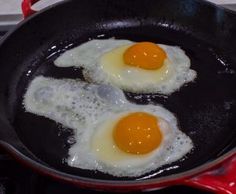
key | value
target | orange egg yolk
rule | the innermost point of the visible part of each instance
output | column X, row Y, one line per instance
column 145, row 55
column 137, row 133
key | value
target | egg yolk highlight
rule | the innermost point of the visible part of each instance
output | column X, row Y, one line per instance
column 137, row 133
column 145, row 55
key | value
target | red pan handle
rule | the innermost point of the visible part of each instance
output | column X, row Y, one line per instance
column 220, row 179
column 26, row 7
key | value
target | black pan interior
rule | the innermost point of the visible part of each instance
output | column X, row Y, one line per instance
column 205, row 108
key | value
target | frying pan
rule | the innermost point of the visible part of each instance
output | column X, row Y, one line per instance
column 205, row 108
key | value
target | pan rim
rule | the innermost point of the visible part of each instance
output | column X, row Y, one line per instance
column 66, row 177
column 61, row 3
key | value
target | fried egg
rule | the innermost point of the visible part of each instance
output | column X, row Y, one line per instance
column 112, row 135
column 142, row 67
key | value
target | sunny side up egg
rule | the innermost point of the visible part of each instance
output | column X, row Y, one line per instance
column 112, row 135
column 142, row 67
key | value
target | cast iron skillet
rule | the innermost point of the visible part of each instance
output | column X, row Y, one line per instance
column 205, row 109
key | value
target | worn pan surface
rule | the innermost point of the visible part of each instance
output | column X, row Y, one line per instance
column 205, row 108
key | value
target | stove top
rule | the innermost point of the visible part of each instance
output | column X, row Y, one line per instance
column 16, row 179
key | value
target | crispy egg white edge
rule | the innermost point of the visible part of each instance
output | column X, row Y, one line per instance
column 44, row 106
column 80, row 57
column 173, row 148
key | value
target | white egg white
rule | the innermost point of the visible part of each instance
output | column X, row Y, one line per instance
column 102, row 61
column 92, row 111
